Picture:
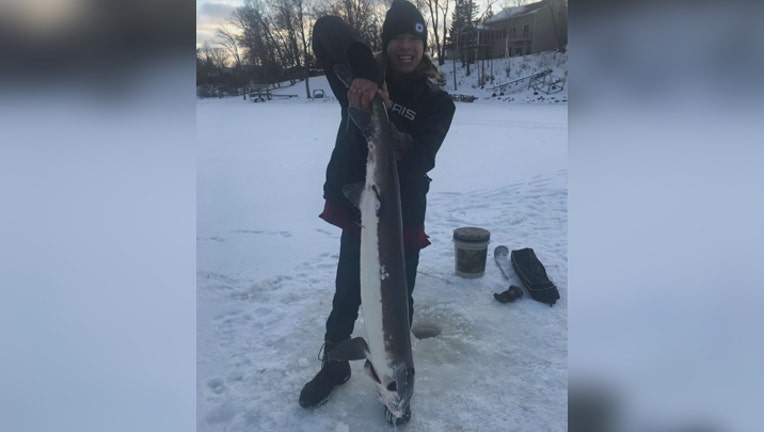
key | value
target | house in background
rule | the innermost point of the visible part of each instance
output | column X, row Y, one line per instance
column 518, row 31
column 526, row 29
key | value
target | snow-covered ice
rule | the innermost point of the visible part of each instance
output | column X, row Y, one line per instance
column 266, row 265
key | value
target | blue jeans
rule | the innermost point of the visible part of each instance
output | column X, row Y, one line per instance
column 347, row 291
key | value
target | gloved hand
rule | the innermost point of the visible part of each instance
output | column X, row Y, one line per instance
column 362, row 63
column 361, row 93
column 367, row 77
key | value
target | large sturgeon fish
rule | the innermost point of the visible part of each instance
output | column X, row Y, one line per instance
column 384, row 291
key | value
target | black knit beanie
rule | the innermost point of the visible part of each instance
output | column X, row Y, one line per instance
column 403, row 17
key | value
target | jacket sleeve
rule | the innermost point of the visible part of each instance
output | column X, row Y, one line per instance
column 427, row 135
column 335, row 42
column 362, row 63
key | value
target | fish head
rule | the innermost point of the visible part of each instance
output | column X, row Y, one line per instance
column 396, row 390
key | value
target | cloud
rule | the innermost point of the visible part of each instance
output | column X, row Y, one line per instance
column 210, row 16
column 215, row 11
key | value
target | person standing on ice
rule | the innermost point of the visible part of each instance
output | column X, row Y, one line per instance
column 420, row 113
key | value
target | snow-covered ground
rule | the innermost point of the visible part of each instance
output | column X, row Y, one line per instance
column 266, row 266
column 505, row 80
column 663, row 292
column 509, row 79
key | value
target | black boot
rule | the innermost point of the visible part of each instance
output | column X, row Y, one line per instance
column 332, row 374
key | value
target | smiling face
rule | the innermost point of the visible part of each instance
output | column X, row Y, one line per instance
column 405, row 52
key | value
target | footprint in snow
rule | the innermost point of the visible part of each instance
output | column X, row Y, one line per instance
column 216, row 385
column 245, row 231
column 215, row 239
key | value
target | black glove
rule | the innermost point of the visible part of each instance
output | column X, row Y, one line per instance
column 362, row 63
column 513, row 293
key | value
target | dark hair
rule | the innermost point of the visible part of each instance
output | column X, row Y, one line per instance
column 428, row 68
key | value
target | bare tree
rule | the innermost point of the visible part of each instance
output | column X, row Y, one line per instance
column 290, row 17
column 438, row 17
column 282, row 54
column 210, row 64
column 229, row 42
column 247, row 19
column 214, row 56
column 265, row 48
column 360, row 15
column 366, row 16
column 300, row 6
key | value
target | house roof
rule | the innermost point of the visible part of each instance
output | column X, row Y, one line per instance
column 512, row 12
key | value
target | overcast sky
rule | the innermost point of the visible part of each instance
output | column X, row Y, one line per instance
column 212, row 14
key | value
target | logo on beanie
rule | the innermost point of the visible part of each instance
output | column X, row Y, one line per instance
column 419, row 27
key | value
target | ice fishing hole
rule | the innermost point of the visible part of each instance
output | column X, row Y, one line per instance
column 424, row 331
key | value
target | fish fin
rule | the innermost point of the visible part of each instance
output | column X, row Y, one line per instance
column 353, row 349
column 353, row 192
column 369, row 368
column 344, row 74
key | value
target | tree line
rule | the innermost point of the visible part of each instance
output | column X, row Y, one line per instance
column 268, row 41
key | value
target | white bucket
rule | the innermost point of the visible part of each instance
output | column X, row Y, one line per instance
column 471, row 251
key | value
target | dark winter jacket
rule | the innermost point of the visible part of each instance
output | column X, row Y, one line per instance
column 420, row 109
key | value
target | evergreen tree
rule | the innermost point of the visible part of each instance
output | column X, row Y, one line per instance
column 462, row 29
